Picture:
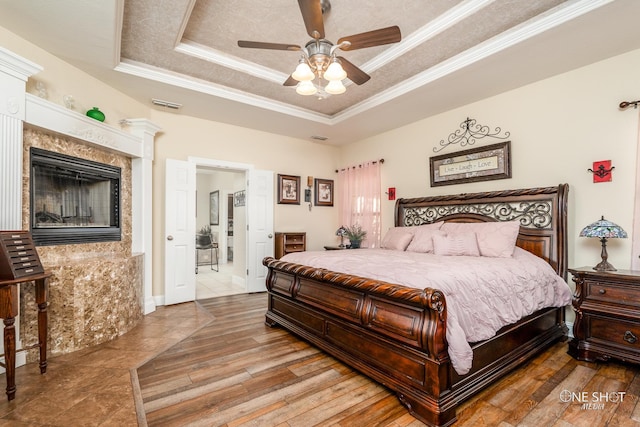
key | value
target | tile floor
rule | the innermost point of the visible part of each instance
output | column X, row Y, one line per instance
column 211, row 283
column 97, row 386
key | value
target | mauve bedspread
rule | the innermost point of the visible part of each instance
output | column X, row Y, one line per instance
column 483, row 294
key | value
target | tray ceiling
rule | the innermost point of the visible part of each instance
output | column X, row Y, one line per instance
column 452, row 52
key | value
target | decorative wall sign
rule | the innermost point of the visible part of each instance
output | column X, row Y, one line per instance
column 478, row 164
column 470, row 133
column 288, row 189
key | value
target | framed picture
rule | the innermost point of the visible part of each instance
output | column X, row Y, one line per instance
column 478, row 164
column 323, row 189
column 214, row 207
column 238, row 198
column 288, row 189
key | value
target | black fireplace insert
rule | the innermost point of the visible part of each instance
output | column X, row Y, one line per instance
column 73, row 200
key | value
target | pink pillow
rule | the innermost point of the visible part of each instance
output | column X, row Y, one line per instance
column 423, row 239
column 397, row 238
column 495, row 239
column 456, row 244
column 432, row 226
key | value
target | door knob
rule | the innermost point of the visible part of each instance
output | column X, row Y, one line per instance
column 270, row 236
column 169, row 237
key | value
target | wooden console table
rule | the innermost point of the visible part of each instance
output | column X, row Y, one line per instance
column 9, row 303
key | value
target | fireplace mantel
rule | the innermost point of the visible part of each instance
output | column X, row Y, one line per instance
column 19, row 109
column 63, row 121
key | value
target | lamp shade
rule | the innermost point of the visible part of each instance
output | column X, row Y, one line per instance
column 306, row 88
column 335, row 72
column 303, row 72
column 335, row 87
column 603, row 228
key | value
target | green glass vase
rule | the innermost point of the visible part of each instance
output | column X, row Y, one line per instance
column 96, row 114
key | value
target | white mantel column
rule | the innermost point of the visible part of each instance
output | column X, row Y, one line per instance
column 142, row 203
column 14, row 73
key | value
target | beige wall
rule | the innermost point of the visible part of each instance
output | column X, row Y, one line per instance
column 183, row 137
column 62, row 79
column 558, row 127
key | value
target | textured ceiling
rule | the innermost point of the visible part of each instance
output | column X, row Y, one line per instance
column 452, row 52
column 199, row 39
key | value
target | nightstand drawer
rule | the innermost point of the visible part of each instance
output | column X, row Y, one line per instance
column 612, row 293
column 614, row 331
column 292, row 239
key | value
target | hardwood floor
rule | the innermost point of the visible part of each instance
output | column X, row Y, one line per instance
column 236, row 371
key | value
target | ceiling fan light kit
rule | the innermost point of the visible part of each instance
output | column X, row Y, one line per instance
column 319, row 65
column 319, row 60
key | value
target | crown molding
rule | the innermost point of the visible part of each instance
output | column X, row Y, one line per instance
column 179, row 80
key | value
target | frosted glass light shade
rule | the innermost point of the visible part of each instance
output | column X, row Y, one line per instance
column 335, row 87
column 335, row 72
column 303, row 73
column 306, row 88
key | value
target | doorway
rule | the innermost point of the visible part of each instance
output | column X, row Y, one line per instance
column 217, row 273
column 256, row 224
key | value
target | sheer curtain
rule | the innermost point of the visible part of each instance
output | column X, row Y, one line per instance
column 359, row 196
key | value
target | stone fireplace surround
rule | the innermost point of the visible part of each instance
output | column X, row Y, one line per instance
column 98, row 291
column 95, row 293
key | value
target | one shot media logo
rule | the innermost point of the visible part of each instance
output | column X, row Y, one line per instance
column 592, row 400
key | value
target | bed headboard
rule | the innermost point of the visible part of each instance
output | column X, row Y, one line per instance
column 542, row 213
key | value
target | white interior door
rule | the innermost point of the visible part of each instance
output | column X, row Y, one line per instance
column 180, row 231
column 260, row 230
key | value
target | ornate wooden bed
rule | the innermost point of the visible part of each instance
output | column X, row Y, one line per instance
column 396, row 334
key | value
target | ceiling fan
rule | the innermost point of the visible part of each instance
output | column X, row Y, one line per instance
column 319, row 59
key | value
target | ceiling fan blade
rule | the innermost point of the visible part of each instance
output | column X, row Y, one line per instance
column 262, row 45
column 290, row 82
column 312, row 16
column 372, row 38
column 354, row 73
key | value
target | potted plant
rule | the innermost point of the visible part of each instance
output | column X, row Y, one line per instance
column 206, row 229
column 355, row 234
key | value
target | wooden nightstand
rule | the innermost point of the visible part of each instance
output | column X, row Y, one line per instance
column 290, row 242
column 607, row 307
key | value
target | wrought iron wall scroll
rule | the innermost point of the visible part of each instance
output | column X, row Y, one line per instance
column 469, row 133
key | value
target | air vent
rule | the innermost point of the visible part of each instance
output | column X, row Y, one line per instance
column 166, row 104
column 319, row 138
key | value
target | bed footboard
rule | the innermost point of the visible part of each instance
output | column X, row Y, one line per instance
column 393, row 334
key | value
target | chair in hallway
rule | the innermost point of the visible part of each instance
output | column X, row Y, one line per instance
column 204, row 242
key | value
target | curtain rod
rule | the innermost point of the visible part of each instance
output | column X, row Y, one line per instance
column 625, row 104
column 360, row 165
